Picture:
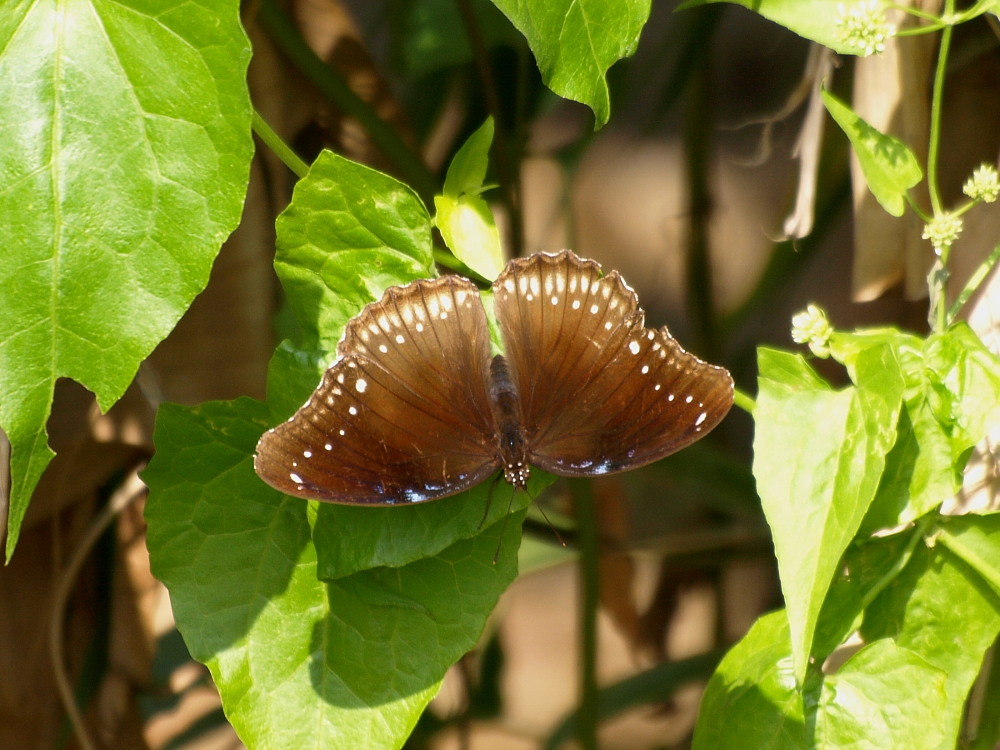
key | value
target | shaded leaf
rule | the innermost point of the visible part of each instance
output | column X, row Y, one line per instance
column 751, row 700
column 300, row 662
column 946, row 610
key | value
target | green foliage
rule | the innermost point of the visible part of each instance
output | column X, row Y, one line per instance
column 576, row 41
column 301, row 661
column 816, row 20
column 126, row 156
column 126, row 151
column 463, row 217
column 819, row 454
column 831, row 469
column 889, row 167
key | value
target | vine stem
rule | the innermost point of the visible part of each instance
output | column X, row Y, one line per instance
column 130, row 491
column 586, row 525
column 939, row 275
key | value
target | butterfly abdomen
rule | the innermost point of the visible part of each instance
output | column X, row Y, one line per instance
column 506, row 406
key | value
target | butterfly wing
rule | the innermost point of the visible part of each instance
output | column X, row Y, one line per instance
column 403, row 415
column 600, row 393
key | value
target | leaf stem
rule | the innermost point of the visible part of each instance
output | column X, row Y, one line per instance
column 285, row 34
column 586, row 524
column 973, row 283
column 985, row 568
column 744, row 401
column 281, row 149
column 937, row 97
column 937, row 280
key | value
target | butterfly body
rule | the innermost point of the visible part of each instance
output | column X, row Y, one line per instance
column 511, row 440
column 415, row 408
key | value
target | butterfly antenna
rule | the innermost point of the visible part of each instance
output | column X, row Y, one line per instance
column 506, row 518
column 551, row 526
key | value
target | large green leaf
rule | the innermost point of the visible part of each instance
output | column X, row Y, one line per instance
column 884, row 696
column 300, row 662
column 575, row 42
column 126, row 132
column 952, row 396
column 348, row 233
column 818, row 459
column 945, row 606
column 751, row 700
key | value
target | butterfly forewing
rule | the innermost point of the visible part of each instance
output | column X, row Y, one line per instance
column 403, row 415
column 600, row 393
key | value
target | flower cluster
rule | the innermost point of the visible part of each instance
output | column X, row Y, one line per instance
column 812, row 327
column 942, row 231
column 984, row 185
column 862, row 28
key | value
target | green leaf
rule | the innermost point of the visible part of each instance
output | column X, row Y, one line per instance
column 463, row 218
column 883, row 696
column 349, row 232
column 575, row 42
column 889, row 166
column 975, row 540
column 470, row 231
column 350, row 538
column 126, row 132
column 467, row 170
column 942, row 607
column 300, row 662
column 818, row 20
column 865, row 570
column 751, row 700
column 952, row 396
column 818, row 457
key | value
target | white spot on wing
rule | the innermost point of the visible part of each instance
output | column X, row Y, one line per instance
column 361, row 385
column 399, row 338
column 633, row 346
column 353, row 411
column 701, row 418
column 295, row 478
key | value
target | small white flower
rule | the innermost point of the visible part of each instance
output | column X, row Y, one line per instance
column 861, row 26
column 984, row 185
column 942, row 231
column 812, row 327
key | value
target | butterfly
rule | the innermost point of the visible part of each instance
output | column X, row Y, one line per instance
column 418, row 407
